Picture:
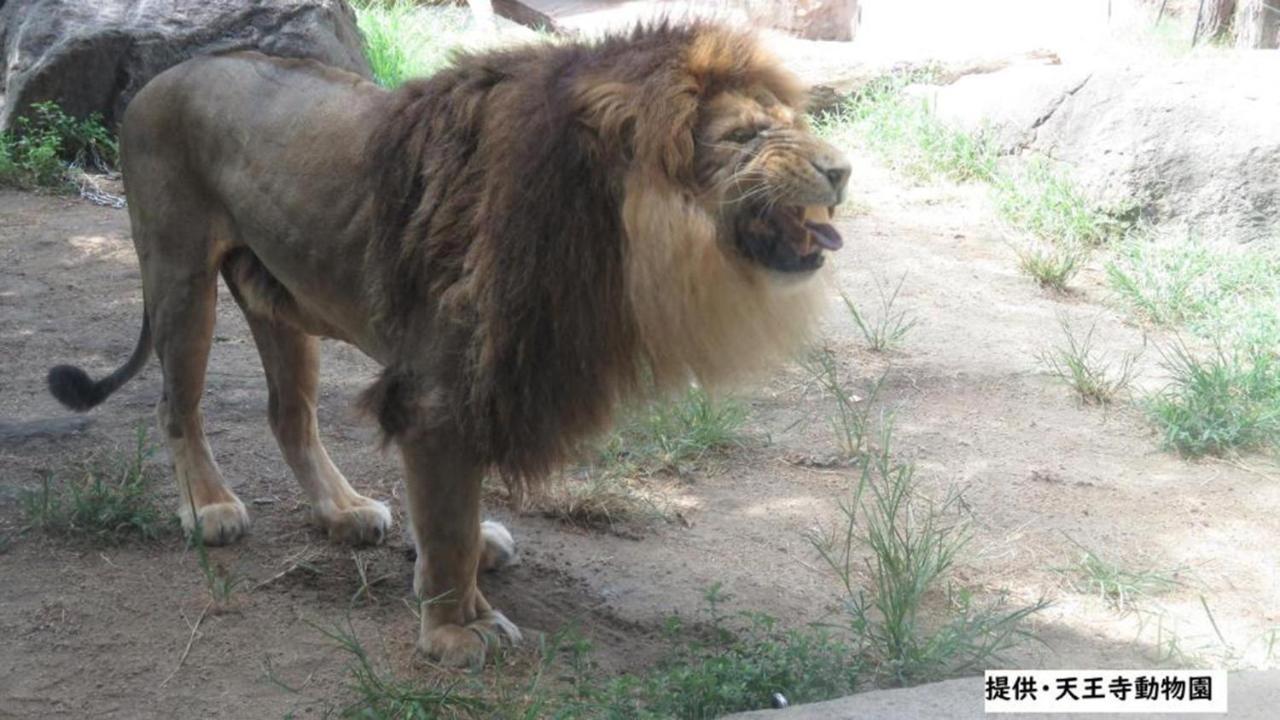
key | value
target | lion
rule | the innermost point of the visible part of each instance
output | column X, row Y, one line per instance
column 523, row 241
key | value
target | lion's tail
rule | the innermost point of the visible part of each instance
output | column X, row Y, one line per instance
column 75, row 389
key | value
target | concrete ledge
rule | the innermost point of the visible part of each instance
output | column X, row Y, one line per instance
column 1251, row 695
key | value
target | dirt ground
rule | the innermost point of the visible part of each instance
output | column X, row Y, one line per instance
column 95, row 631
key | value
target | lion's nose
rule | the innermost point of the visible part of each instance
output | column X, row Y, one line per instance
column 836, row 171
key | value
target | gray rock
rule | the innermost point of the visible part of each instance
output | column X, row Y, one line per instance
column 809, row 19
column 1196, row 141
column 1008, row 105
column 94, row 55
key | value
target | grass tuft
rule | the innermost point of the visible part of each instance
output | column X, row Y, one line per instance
column 906, row 135
column 221, row 582
column 47, row 141
column 1051, row 266
column 851, row 421
column 403, row 40
column 913, row 544
column 109, row 500
column 728, row 663
column 1119, row 586
column 677, row 436
column 1043, row 202
column 665, row 436
column 1173, row 279
column 888, row 328
column 604, row 501
column 1225, row 401
column 1096, row 378
column 379, row 695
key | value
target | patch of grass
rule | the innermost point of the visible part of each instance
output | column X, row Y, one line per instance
column 1115, row 584
column 1043, row 202
column 664, row 436
column 380, row 695
column 109, row 500
column 1051, row 266
column 676, row 436
column 366, row 581
column 851, row 422
column 221, row 582
column 604, row 501
column 1172, row 279
column 728, row 663
column 403, row 40
column 37, row 152
column 914, row 544
column 888, row 328
column 906, row 135
column 1096, row 378
column 1223, row 401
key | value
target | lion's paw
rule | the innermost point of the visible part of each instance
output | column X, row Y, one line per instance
column 459, row 646
column 364, row 524
column 499, row 549
column 220, row 523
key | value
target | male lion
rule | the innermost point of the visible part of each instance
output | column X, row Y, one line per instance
column 522, row 241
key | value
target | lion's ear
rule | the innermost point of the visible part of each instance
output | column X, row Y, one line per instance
column 664, row 133
column 608, row 109
column 652, row 122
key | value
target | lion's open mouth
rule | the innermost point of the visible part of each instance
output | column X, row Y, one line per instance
column 788, row 238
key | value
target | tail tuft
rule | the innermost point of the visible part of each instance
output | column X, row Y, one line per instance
column 74, row 388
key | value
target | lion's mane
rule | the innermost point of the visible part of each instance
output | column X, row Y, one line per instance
column 540, row 248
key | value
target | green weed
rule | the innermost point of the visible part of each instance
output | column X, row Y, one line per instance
column 108, row 500
column 220, row 581
column 888, row 328
column 1096, row 378
column 905, row 133
column 379, row 695
column 403, row 40
column 728, row 663
column 37, row 152
column 913, row 545
column 851, row 422
column 1117, row 585
column 1043, row 202
column 1051, row 266
column 666, row 435
column 1173, row 279
column 1223, row 401
column 671, row 436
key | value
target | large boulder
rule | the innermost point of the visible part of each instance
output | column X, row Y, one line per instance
column 1008, row 105
column 1196, row 141
column 94, row 55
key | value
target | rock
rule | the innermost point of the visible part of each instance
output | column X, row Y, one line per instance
column 809, row 19
column 1009, row 104
column 1194, row 141
column 93, row 56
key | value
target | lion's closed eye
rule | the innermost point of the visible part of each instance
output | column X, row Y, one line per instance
column 743, row 135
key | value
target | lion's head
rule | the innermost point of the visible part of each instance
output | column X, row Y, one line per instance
column 775, row 184
column 595, row 215
column 728, row 198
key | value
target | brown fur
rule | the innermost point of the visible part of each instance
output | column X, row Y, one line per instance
column 542, row 199
column 523, row 241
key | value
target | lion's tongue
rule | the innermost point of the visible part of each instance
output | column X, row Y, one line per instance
column 825, row 235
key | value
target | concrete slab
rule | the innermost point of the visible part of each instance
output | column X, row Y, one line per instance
column 1251, row 695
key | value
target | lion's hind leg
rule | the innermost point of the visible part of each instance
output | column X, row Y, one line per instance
column 290, row 359
column 181, row 306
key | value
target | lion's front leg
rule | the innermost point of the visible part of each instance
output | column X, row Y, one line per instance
column 443, row 491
